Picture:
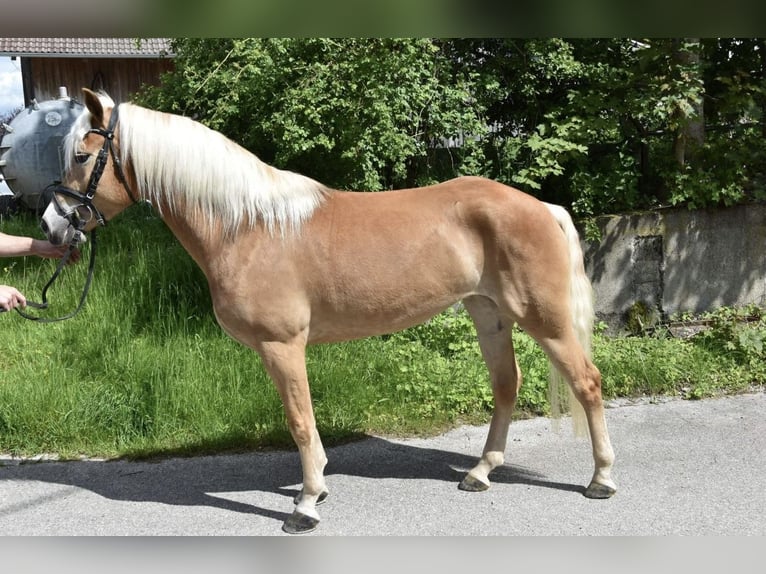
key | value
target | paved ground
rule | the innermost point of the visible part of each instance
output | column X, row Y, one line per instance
column 682, row 467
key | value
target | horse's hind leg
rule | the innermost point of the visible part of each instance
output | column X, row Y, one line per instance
column 494, row 332
column 585, row 379
column 286, row 364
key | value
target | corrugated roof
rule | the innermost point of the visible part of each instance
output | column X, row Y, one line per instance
column 86, row 47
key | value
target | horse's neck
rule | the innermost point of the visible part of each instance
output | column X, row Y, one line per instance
column 208, row 245
column 202, row 241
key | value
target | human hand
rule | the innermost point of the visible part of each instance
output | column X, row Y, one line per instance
column 11, row 297
column 46, row 249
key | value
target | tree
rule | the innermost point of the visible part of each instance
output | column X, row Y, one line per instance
column 689, row 119
column 598, row 125
column 352, row 113
column 607, row 125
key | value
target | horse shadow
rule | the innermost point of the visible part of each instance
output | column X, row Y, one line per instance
column 190, row 481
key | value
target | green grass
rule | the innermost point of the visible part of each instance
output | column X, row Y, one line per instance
column 144, row 370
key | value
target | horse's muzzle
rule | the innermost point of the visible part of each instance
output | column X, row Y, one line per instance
column 58, row 228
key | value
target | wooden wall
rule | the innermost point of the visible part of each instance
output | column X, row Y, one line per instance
column 120, row 78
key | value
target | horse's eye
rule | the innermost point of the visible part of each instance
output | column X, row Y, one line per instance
column 81, row 157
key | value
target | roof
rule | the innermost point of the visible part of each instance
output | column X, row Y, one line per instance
column 86, row 47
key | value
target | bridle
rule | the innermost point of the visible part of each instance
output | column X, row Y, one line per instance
column 77, row 221
column 72, row 214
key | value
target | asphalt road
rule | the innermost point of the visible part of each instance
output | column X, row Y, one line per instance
column 683, row 467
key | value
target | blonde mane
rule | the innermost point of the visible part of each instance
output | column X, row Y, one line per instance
column 183, row 165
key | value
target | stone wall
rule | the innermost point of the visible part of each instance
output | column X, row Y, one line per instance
column 677, row 260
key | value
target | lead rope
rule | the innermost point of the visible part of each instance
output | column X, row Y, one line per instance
column 62, row 263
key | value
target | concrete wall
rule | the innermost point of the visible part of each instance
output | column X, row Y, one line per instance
column 678, row 260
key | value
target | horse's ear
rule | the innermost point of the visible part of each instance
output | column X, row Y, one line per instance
column 93, row 103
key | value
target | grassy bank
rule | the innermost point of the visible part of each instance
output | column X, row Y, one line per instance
column 144, row 369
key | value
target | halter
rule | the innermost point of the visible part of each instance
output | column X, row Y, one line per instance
column 72, row 215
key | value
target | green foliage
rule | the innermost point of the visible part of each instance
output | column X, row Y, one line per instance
column 448, row 334
column 601, row 125
column 727, row 356
column 352, row 113
column 649, row 366
column 451, row 335
column 596, row 123
column 549, row 151
column 641, row 318
column 723, row 174
column 738, row 333
column 455, row 380
column 533, row 395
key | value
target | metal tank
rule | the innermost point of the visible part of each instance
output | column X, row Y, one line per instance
column 31, row 148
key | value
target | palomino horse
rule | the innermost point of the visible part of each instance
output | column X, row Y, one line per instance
column 290, row 262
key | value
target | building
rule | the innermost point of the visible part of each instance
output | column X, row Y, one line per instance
column 119, row 66
column 54, row 70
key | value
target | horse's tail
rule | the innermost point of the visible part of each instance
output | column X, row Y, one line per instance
column 581, row 304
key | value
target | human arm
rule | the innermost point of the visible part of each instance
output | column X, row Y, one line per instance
column 18, row 246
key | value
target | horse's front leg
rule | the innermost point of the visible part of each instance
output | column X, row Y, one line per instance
column 286, row 364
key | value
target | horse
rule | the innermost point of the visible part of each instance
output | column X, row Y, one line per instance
column 291, row 262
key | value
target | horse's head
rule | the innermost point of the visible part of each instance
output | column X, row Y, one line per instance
column 94, row 187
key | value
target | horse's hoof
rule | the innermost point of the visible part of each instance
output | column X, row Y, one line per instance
column 471, row 484
column 320, row 500
column 300, row 523
column 600, row 491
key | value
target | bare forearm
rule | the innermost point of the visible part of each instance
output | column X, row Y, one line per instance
column 16, row 246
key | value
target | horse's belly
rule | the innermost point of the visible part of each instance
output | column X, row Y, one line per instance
column 365, row 289
column 344, row 328
column 385, row 309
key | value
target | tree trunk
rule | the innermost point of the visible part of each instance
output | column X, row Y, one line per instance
column 690, row 133
column 762, row 98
